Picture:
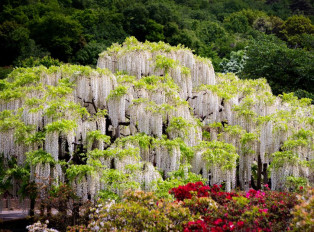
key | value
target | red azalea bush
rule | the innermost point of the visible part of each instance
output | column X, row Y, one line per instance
column 252, row 211
column 215, row 192
column 198, row 225
column 185, row 192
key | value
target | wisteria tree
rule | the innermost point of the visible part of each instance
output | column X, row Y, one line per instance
column 147, row 110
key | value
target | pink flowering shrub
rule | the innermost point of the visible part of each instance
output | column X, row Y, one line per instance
column 251, row 211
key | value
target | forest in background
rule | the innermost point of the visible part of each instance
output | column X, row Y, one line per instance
column 263, row 38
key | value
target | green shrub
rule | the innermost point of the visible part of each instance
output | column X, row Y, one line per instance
column 46, row 61
column 140, row 211
column 4, row 72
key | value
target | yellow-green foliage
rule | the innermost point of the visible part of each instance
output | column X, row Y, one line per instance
column 39, row 156
column 98, row 136
column 62, row 125
column 179, row 124
column 132, row 44
column 220, row 153
column 118, row 92
column 304, row 212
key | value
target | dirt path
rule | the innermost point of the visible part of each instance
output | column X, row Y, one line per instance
column 14, row 220
column 8, row 215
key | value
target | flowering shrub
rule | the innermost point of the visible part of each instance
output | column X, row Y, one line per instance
column 78, row 228
column 70, row 210
column 198, row 225
column 140, row 211
column 40, row 227
column 251, row 211
column 185, row 192
column 203, row 209
column 219, row 196
column 304, row 212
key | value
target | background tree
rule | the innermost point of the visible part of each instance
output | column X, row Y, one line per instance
column 237, row 22
column 77, row 31
column 13, row 37
column 302, row 6
column 59, row 33
column 285, row 69
column 296, row 30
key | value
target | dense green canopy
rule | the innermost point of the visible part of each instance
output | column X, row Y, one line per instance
column 76, row 31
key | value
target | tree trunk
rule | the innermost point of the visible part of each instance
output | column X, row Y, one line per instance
column 42, row 208
column 76, row 212
column 63, row 208
column 238, row 176
column 259, row 172
column 117, row 132
column 265, row 177
column 49, row 208
column 253, row 186
column 32, row 207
